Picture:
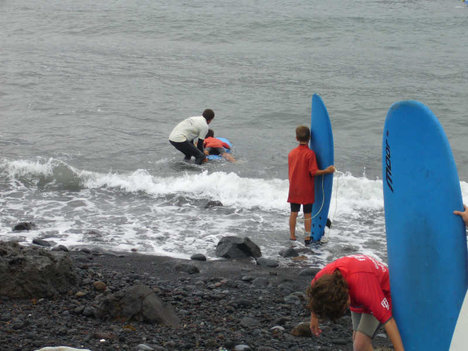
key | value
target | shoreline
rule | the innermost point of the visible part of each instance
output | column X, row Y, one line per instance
column 230, row 304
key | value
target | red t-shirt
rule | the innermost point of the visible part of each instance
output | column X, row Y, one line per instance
column 215, row 143
column 302, row 168
column 368, row 283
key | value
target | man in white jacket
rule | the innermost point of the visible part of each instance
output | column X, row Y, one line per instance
column 183, row 135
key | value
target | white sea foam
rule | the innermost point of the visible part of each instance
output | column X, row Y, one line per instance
column 228, row 188
column 166, row 215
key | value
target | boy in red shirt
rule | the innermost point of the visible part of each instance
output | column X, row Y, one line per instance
column 361, row 283
column 302, row 170
column 215, row 146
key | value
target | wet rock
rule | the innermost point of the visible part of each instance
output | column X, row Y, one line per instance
column 213, row 204
column 236, row 247
column 302, row 329
column 41, row 242
column 23, row 226
column 27, row 272
column 289, row 252
column 100, row 286
column 61, row 248
column 198, row 257
column 267, row 262
column 138, row 303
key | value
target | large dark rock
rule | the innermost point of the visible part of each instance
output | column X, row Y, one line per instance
column 213, row 204
column 198, row 257
column 235, row 247
column 32, row 272
column 289, row 252
column 267, row 262
column 23, row 226
column 137, row 303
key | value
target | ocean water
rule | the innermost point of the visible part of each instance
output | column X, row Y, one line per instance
column 89, row 92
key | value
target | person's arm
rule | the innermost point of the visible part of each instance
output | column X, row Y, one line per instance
column 392, row 331
column 314, row 324
column 226, row 145
column 463, row 215
column 329, row 169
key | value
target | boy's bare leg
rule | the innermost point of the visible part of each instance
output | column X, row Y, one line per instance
column 361, row 342
column 229, row 157
column 307, row 224
column 292, row 225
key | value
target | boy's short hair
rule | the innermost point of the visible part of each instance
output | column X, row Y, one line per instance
column 302, row 133
column 210, row 133
column 208, row 114
column 328, row 297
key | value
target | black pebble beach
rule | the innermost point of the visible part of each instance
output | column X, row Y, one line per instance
column 222, row 305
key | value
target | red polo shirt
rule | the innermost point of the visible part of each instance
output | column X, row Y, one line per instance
column 368, row 283
column 302, row 168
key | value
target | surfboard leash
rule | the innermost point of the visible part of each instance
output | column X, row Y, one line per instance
column 323, row 200
column 335, row 188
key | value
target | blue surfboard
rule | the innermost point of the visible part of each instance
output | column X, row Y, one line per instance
column 321, row 141
column 426, row 242
column 219, row 157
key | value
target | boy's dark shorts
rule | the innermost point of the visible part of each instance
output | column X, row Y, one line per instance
column 307, row 208
column 365, row 323
column 215, row 150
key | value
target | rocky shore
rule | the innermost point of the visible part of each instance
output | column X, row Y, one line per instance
column 176, row 304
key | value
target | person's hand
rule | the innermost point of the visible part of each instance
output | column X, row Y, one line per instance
column 314, row 325
column 463, row 215
column 331, row 169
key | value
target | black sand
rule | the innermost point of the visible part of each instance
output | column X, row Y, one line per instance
column 235, row 305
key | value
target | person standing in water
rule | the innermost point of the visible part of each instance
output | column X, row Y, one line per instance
column 303, row 167
column 184, row 134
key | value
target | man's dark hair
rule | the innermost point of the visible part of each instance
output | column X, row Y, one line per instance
column 210, row 133
column 302, row 133
column 328, row 297
column 208, row 114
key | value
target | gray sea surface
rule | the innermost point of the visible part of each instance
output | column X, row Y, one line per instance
column 89, row 92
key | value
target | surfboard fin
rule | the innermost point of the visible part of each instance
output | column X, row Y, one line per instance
column 329, row 223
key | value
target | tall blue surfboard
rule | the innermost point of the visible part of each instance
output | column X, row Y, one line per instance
column 321, row 141
column 426, row 242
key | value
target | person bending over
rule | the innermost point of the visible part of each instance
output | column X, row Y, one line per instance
column 360, row 283
column 184, row 133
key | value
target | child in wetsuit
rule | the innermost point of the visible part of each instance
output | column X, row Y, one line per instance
column 360, row 283
column 214, row 146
